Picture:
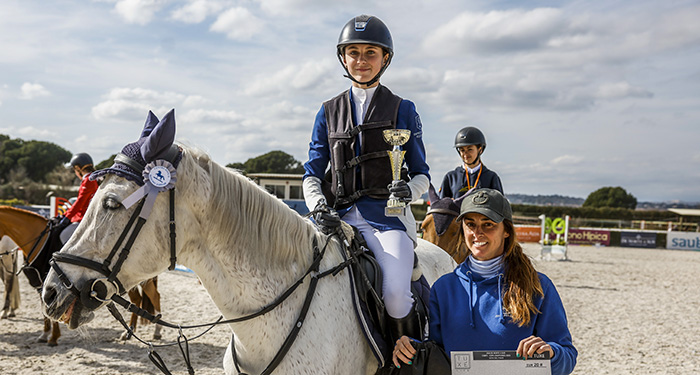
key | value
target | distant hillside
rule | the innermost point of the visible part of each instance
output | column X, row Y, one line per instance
column 560, row 200
column 545, row 200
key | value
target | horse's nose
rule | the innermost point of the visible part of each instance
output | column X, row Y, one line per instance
column 49, row 294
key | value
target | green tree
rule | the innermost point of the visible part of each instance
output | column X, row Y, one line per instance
column 614, row 197
column 272, row 162
column 38, row 158
column 106, row 163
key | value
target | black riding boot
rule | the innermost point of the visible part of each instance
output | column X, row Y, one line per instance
column 409, row 326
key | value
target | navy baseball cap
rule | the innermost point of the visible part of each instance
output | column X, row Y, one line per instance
column 488, row 202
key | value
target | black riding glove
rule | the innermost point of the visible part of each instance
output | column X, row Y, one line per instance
column 326, row 217
column 400, row 190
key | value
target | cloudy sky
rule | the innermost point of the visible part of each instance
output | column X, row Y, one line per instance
column 572, row 95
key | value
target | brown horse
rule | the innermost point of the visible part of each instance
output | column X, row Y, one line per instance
column 8, row 274
column 26, row 229
column 440, row 228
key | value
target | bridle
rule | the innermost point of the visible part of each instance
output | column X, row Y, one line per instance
column 103, row 291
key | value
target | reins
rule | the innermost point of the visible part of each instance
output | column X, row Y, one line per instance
column 108, row 290
column 291, row 337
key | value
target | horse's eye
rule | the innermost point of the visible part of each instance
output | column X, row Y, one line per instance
column 111, row 203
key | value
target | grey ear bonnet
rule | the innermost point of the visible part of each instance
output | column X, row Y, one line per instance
column 156, row 142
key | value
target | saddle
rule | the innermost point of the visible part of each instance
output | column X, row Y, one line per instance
column 366, row 281
column 39, row 267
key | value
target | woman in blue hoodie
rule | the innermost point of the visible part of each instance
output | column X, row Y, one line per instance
column 495, row 300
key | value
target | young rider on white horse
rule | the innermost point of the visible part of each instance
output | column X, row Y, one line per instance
column 347, row 133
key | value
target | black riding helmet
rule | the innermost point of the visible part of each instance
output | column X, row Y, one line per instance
column 365, row 29
column 470, row 136
column 80, row 160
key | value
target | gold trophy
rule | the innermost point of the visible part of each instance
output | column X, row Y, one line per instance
column 396, row 138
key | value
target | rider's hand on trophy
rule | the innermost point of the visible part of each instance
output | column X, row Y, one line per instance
column 400, row 190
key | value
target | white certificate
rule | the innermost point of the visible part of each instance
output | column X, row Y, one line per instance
column 499, row 362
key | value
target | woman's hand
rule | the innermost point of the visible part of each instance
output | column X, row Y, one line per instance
column 403, row 351
column 532, row 345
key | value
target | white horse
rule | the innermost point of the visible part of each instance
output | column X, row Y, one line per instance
column 247, row 247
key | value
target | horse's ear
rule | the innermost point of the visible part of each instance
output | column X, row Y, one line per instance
column 151, row 122
column 160, row 138
column 432, row 195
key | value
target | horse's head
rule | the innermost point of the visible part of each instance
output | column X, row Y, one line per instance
column 439, row 226
column 106, row 254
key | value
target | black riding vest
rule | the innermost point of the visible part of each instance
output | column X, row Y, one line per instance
column 373, row 160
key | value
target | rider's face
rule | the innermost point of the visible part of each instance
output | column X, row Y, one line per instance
column 364, row 62
column 469, row 154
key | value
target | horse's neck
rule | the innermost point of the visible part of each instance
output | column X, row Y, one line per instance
column 239, row 240
column 23, row 229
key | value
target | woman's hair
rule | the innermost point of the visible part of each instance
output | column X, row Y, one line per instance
column 88, row 168
column 521, row 279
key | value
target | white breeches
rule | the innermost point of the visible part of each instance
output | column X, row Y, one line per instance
column 393, row 250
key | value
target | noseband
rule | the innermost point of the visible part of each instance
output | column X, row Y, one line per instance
column 98, row 291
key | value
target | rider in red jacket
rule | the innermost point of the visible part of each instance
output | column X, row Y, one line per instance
column 82, row 165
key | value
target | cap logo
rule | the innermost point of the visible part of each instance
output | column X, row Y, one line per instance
column 480, row 198
column 360, row 25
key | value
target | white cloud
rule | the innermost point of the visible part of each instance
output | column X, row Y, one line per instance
column 307, row 76
column 32, row 91
column 496, row 31
column 238, row 24
column 621, row 90
column 206, row 116
column 134, row 103
column 28, row 132
column 196, row 11
column 566, row 160
column 140, row 12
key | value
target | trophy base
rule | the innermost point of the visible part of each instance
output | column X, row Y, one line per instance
column 394, row 211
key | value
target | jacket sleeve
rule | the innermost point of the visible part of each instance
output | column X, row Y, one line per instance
column 552, row 326
column 319, row 151
column 445, row 189
column 85, row 192
column 409, row 119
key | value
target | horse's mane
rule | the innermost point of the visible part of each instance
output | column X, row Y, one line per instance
column 21, row 211
column 245, row 214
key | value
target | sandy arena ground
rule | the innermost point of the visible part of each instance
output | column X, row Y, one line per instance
column 631, row 311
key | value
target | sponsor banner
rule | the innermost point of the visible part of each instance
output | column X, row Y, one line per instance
column 528, row 233
column 578, row 236
column 638, row 239
column 683, row 241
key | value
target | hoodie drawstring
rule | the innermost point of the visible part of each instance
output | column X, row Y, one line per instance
column 471, row 297
column 500, row 298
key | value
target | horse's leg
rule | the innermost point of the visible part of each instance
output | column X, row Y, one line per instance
column 47, row 329
column 6, row 294
column 135, row 298
column 150, row 292
column 55, row 334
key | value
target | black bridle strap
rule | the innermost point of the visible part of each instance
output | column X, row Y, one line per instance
column 28, row 258
column 126, row 250
column 290, row 338
column 173, row 257
column 122, row 236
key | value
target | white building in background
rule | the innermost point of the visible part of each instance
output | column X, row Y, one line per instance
column 283, row 186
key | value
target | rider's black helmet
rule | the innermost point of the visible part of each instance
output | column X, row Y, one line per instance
column 470, row 136
column 366, row 29
column 80, row 160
